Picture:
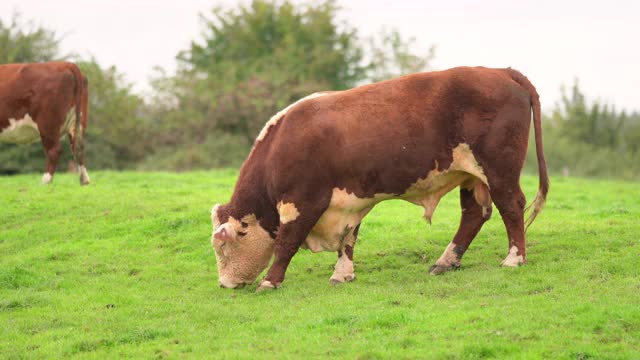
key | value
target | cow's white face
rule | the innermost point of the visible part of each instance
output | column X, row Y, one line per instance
column 243, row 249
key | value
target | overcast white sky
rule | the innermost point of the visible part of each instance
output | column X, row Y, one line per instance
column 550, row 41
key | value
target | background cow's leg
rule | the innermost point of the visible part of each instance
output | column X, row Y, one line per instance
column 510, row 201
column 470, row 223
column 344, row 267
column 52, row 150
column 290, row 236
column 77, row 148
column 72, row 143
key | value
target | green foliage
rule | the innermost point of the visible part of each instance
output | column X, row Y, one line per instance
column 124, row 268
column 20, row 42
column 589, row 139
column 391, row 56
column 277, row 41
column 251, row 62
column 116, row 133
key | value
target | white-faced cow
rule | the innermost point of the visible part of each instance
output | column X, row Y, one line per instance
column 45, row 101
column 319, row 166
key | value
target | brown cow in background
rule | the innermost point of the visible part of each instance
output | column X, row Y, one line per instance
column 320, row 165
column 45, row 101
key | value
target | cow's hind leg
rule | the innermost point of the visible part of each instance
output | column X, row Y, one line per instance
column 78, row 156
column 344, row 271
column 52, row 150
column 473, row 216
column 510, row 201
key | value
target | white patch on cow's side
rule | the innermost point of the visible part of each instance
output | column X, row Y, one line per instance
column 513, row 259
column 68, row 127
column 21, row 131
column 84, row 175
column 46, row 178
column 449, row 258
column 288, row 212
column 343, row 270
column 275, row 118
column 335, row 227
column 463, row 171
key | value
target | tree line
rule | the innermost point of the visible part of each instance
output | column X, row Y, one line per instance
column 254, row 60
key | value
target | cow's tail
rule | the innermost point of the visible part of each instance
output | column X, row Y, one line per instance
column 81, row 102
column 543, row 187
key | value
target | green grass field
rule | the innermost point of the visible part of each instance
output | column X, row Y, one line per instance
column 124, row 268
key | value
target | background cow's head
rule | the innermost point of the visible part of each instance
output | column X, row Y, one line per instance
column 243, row 249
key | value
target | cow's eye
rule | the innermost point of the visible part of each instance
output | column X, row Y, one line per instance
column 241, row 233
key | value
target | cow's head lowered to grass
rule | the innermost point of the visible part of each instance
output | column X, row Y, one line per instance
column 243, row 248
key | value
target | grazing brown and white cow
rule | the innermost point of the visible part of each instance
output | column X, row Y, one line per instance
column 45, row 101
column 319, row 166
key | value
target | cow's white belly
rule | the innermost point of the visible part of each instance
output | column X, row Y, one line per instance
column 20, row 131
column 335, row 227
column 26, row 131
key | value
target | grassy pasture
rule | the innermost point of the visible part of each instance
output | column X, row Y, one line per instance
column 124, row 268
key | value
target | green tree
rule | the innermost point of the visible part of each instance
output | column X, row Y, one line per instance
column 277, row 41
column 597, row 123
column 116, row 137
column 23, row 42
column 631, row 133
column 250, row 62
column 589, row 139
column 391, row 56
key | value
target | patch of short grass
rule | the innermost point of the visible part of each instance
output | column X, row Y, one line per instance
column 124, row 268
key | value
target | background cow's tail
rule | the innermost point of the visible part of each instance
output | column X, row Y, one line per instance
column 543, row 187
column 81, row 102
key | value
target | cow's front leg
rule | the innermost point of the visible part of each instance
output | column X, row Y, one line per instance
column 296, row 222
column 344, row 267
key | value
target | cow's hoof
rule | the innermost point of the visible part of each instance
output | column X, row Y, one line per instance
column 513, row 259
column 267, row 285
column 84, row 176
column 335, row 280
column 46, row 178
column 510, row 262
column 439, row 269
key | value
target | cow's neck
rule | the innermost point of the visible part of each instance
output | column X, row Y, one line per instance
column 250, row 196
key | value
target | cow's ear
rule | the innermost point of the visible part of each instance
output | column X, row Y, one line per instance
column 214, row 213
column 225, row 233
